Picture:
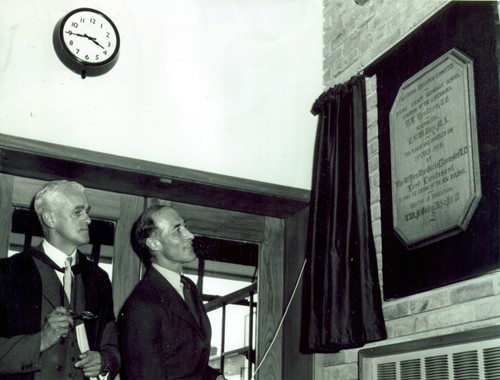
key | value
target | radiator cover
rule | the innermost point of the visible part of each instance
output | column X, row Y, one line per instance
column 470, row 355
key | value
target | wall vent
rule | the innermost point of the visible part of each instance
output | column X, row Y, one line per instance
column 471, row 355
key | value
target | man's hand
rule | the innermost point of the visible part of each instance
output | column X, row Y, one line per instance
column 90, row 363
column 55, row 326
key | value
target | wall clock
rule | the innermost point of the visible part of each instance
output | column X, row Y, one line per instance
column 87, row 42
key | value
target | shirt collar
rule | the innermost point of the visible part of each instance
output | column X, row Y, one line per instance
column 56, row 255
column 172, row 277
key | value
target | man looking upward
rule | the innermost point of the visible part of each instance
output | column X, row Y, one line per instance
column 164, row 330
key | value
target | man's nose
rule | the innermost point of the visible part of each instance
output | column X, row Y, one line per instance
column 188, row 235
column 87, row 219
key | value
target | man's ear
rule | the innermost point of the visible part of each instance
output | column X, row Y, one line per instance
column 48, row 219
column 153, row 244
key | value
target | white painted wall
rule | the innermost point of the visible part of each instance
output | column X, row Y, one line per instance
column 223, row 86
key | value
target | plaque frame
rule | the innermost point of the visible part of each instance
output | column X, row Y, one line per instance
column 433, row 217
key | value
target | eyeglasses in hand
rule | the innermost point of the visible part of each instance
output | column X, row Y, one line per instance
column 83, row 316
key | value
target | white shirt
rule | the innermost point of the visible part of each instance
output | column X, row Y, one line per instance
column 172, row 277
column 58, row 257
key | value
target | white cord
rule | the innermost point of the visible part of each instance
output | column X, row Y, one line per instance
column 281, row 322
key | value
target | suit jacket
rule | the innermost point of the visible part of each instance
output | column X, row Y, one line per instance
column 159, row 337
column 22, row 295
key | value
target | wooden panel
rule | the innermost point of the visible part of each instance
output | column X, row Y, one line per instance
column 126, row 263
column 270, row 301
column 24, row 191
column 6, row 209
column 220, row 223
column 103, row 204
column 295, row 364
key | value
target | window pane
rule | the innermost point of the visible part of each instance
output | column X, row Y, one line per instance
column 228, row 267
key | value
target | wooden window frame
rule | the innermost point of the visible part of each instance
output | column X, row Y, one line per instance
column 274, row 214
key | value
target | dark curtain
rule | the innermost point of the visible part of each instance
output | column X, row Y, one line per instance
column 341, row 295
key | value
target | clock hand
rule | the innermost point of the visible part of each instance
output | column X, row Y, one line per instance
column 76, row 34
column 93, row 39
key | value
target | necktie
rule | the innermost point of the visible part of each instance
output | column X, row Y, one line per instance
column 67, row 280
column 189, row 298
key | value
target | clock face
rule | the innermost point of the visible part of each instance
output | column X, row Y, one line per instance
column 90, row 36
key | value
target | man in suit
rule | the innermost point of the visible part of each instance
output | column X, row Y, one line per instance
column 40, row 316
column 163, row 329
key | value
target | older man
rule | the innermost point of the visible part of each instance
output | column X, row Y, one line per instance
column 52, row 293
column 163, row 328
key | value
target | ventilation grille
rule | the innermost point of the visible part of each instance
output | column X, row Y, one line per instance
column 478, row 360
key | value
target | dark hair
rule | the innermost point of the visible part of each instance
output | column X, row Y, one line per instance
column 144, row 227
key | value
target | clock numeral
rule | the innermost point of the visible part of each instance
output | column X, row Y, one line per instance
column 71, row 42
column 82, row 20
column 74, row 24
column 109, row 44
column 87, row 57
column 77, row 51
column 105, row 52
column 97, row 57
column 92, row 20
column 108, row 34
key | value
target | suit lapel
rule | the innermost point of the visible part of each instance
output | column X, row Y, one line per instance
column 92, row 287
column 171, row 301
column 52, row 290
column 205, row 322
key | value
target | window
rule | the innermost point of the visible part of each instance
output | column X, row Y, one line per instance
column 124, row 206
column 226, row 273
column 216, row 205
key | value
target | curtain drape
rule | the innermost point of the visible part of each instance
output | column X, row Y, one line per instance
column 341, row 298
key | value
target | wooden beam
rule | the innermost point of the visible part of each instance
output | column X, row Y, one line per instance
column 41, row 160
column 295, row 364
column 269, row 343
column 6, row 210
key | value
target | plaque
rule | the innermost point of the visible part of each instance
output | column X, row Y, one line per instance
column 434, row 152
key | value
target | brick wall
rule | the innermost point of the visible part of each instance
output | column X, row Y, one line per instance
column 353, row 37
